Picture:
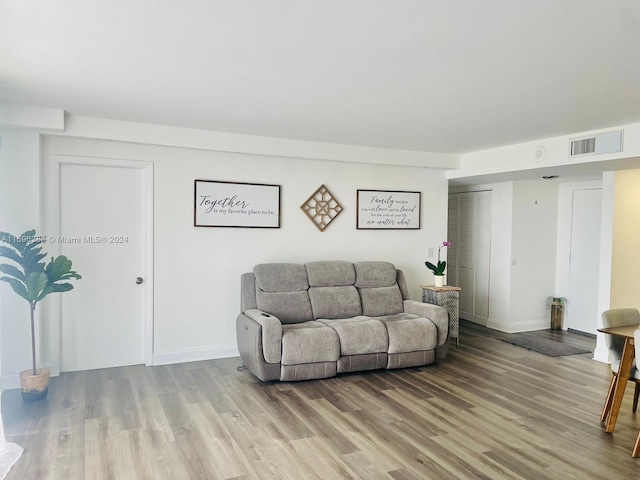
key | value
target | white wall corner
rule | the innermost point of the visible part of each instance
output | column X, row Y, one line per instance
column 601, row 353
column 37, row 118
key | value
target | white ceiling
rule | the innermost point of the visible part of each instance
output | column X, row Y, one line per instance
column 441, row 76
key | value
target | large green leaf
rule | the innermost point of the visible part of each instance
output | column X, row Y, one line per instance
column 13, row 271
column 26, row 241
column 29, row 253
column 21, row 242
column 31, row 239
column 18, row 287
column 37, row 279
column 10, row 253
column 54, row 288
column 436, row 269
column 34, row 264
column 6, row 237
column 60, row 269
column 36, row 282
column 71, row 275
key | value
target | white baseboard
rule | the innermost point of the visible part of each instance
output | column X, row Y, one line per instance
column 511, row 327
column 9, row 382
column 194, row 355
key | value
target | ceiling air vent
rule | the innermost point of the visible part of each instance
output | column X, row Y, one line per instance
column 609, row 142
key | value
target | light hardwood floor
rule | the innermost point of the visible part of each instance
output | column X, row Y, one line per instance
column 490, row 411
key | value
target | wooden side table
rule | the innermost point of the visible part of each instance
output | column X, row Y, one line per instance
column 447, row 298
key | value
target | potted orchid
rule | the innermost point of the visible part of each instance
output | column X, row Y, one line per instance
column 439, row 268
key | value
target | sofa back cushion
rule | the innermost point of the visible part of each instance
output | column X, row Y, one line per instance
column 331, row 289
column 378, row 288
column 374, row 274
column 281, row 290
column 335, row 273
column 335, row 302
column 281, row 277
column 289, row 307
column 380, row 301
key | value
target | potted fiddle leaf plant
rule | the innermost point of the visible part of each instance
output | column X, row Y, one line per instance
column 33, row 279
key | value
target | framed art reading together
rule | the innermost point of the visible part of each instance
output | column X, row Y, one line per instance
column 387, row 210
column 232, row 204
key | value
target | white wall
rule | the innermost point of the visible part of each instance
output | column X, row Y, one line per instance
column 625, row 288
column 203, row 320
column 523, row 246
column 19, row 212
column 601, row 353
column 197, row 270
column 501, row 253
column 534, row 237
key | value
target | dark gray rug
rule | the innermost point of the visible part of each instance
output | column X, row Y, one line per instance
column 543, row 345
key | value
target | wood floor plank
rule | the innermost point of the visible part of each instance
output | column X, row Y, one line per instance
column 323, row 459
column 491, row 410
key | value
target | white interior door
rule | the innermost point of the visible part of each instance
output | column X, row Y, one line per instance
column 582, row 306
column 102, row 230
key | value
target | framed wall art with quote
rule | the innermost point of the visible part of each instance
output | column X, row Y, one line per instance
column 235, row 204
column 387, row 210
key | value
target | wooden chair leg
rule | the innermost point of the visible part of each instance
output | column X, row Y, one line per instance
column 636, row 447
column 609, row 400
column 636, row 394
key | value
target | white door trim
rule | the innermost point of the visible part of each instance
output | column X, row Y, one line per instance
column 565, row 207
column 51, row 343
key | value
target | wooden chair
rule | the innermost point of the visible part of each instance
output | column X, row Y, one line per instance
column 619, row 317
column 636, row 339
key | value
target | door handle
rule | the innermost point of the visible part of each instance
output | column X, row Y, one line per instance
column 139, row 280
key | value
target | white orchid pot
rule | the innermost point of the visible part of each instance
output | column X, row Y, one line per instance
column 439, row 279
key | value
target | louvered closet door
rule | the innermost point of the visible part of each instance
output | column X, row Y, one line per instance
column 465, row 254
column 470, row 259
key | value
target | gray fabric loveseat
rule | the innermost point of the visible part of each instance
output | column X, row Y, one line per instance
column 315, row 320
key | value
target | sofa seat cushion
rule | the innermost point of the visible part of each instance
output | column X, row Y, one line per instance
column 309, row 342
column 359, row 335
column 409, row 333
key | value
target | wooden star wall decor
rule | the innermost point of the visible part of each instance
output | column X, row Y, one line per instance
column 321, row 207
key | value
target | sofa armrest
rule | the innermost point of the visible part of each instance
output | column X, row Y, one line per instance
column 271, row 334
column 436, row 314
